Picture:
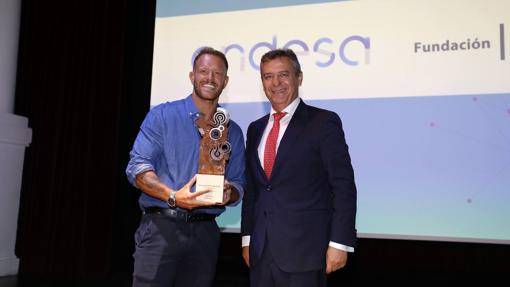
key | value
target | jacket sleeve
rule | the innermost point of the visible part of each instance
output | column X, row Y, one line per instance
column 247, row 211
column 337, row 162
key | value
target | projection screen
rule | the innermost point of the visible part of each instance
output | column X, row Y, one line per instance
column 422, row 88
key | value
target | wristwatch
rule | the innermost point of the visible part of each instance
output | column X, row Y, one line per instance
column 171, row 200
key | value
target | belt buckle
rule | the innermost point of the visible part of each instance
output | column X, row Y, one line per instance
column 182, row 215
column 194, row 217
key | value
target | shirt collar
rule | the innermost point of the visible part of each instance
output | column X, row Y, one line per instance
column 191, row 108
column 290, row 109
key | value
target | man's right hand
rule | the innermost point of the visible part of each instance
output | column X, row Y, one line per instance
column 246, row 255
column 149, row 183
column 186, row 199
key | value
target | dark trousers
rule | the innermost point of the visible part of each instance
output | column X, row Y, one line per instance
column 175, row 253
column 266, row 273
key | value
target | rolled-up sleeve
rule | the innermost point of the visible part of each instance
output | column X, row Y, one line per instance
column 147, row 146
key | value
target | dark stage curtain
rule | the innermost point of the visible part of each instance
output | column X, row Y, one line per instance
column 83, row 81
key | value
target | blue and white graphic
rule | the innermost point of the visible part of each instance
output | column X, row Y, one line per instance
column 422, row 87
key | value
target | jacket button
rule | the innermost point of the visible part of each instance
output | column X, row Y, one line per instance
column 268, row 188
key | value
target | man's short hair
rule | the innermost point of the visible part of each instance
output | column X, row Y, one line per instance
column 210, row 51
column 282, row 53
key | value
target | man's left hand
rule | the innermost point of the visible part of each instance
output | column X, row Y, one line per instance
column 335, row 259
column 230, row 193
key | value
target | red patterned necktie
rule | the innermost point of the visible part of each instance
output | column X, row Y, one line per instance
column 270, row 149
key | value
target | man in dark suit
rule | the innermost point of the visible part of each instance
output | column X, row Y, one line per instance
column 299, row 208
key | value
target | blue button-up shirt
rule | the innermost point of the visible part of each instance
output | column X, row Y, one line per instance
column 168, row 143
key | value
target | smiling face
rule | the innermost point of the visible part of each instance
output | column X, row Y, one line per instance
column 209, row 77
column 281, row 82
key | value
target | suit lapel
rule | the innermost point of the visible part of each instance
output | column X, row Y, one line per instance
column 290, row 138
column 259, row 126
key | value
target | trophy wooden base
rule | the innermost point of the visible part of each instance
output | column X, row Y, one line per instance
column 211, row 182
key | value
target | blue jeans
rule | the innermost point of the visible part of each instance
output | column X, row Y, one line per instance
column 170, row 253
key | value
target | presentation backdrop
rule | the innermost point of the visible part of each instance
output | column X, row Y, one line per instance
column 422, row 88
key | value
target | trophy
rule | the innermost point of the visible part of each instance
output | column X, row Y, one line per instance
column 214, row 153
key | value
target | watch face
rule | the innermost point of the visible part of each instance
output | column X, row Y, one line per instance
column 171, row 200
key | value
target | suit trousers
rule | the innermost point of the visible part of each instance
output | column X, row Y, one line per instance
column 169, row 252
column 266, row 273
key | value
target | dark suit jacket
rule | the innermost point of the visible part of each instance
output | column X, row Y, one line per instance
column 311, row 196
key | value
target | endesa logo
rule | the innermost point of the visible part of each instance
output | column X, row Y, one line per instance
column 328, row 50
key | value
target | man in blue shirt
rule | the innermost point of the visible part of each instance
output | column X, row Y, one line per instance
column 177, row 240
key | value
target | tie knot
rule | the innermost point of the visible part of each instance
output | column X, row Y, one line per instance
column 278, row 116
